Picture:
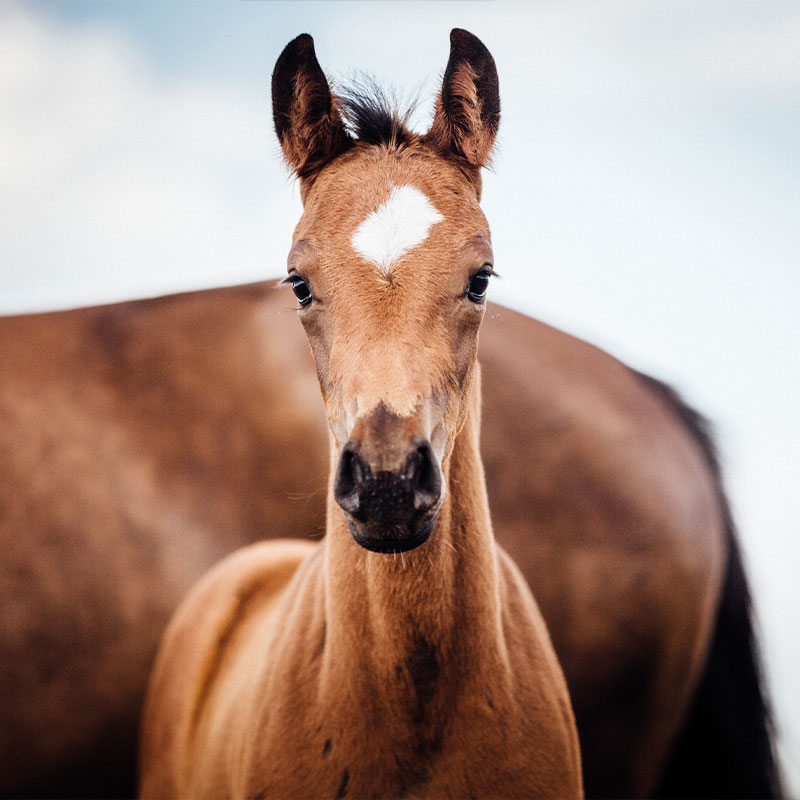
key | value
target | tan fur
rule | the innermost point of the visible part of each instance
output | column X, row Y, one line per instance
column 394, row 356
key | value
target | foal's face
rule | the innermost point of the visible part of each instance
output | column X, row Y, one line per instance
column 391, row 261
column 395, row 254
column 390, row 264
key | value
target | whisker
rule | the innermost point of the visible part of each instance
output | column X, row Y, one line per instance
column 303, row 495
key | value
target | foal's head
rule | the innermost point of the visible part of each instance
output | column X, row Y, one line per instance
column 390, row 265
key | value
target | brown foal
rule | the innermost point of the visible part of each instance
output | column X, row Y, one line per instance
column 404, row 655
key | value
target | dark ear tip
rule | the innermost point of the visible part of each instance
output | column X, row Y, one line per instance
column 296, row 56
column 466, row 41
column 458, row 35
column 303, row 43
column 300, row 48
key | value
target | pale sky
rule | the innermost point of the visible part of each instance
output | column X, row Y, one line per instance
column 645, row 192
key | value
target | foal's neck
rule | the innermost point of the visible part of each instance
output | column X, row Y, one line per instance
column 385, row 610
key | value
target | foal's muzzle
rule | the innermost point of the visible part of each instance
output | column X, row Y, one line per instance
column 390, row 510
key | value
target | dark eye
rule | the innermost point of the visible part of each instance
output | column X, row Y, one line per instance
column 477, row 286
column 301, row 290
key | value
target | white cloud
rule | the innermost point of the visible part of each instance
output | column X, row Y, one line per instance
column 668, row 51
column 117, row 183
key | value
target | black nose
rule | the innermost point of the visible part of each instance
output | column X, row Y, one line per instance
column 389, row 511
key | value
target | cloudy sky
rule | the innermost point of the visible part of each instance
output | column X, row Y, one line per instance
column 645, row 193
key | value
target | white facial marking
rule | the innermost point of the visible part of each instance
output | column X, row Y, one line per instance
column 396, row 227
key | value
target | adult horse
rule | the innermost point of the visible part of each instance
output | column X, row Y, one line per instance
column 323, row 670
column 142, row 441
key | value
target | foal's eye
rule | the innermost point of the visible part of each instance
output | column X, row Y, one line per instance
column 478, row 284
column 302, row 291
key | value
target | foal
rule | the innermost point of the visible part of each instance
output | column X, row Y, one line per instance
column 404, row 654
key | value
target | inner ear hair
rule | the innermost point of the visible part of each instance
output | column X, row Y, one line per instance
column 307, row 120
column 468, row 107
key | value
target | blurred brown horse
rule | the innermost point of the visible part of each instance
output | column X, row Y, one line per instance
column 140, row 442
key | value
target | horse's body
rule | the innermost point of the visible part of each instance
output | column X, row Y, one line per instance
column 141, row 441
column 136, row 435
column 340, row 668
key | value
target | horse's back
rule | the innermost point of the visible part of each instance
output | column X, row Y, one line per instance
column 218, row 629
column 605, row 500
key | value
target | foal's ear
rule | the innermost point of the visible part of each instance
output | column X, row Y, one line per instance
column 468, row 107
column 307, row 121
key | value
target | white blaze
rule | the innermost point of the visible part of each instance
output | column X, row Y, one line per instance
column 396, row 227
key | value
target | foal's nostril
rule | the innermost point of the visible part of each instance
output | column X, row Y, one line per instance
column 390, row 507
column 423, row 475
column 350, row 476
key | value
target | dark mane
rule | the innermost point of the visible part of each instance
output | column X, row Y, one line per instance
column 373, row 115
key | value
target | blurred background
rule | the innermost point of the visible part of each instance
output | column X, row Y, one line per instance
column 645, row 193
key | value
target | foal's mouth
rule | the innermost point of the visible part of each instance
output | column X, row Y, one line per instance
column 391, row 543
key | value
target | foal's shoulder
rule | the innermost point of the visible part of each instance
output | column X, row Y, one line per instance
column 522, row 620
column 248, row 577
column 219, row 606
column 211, row 622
